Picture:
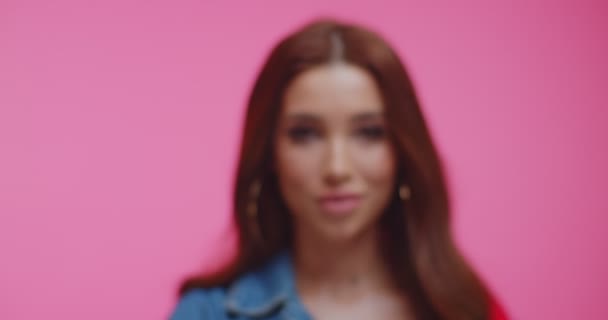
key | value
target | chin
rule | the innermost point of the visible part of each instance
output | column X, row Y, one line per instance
column 323, row 229
column 345, row 232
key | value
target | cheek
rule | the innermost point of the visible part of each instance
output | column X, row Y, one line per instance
column 297, row 167
column 377, row 165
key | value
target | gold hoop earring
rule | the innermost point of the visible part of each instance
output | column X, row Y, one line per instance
column 252, row 210
column 405, row 192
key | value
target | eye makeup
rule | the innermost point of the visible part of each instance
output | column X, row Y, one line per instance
column 305, row 128
column 371, row 132
column 302, row 133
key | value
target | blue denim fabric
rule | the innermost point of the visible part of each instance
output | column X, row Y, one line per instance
column 268, row 293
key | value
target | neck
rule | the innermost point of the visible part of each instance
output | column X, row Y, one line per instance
column 356, row 264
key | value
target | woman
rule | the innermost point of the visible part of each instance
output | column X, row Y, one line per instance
column 341, row 205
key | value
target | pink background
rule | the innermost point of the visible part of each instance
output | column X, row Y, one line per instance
column 119, row 125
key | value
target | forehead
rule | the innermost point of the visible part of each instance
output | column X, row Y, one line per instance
column 333, row 89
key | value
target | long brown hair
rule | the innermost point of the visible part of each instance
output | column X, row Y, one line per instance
column 418, row 245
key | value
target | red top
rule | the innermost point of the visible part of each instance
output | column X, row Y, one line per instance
column 496, row 311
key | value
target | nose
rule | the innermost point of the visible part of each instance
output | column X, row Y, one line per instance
column 337, row 164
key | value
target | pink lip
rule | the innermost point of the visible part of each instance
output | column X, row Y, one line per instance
column 339, row 204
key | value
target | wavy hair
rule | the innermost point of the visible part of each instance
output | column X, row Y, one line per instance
column 418, row 244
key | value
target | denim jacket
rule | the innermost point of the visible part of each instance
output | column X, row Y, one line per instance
column 268, row 293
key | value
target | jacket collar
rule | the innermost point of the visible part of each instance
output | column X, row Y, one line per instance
column 265, row 291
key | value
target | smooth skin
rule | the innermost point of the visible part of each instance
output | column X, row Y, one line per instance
column 333, row 139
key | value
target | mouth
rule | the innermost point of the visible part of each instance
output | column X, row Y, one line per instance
column 339, row 204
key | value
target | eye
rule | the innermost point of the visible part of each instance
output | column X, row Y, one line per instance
column 371, row 133
column 302, row 134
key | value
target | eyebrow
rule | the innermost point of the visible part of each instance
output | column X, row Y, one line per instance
column 368, row 116
column 360, row 117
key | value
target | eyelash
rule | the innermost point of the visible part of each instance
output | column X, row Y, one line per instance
column 371, row 133
column 302, row 134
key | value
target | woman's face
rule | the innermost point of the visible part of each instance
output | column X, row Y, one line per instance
column 334, row 161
